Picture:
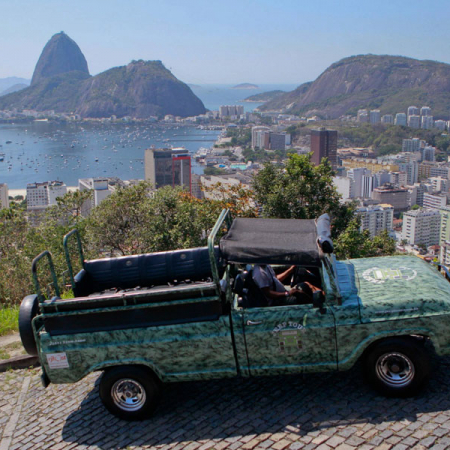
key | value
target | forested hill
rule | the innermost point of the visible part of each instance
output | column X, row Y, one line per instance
column 388, row 83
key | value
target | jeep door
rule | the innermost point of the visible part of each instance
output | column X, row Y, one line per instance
column 285, row 339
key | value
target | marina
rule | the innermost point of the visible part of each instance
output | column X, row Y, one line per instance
column 41, row 151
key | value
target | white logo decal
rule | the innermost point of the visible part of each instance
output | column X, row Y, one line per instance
column 57, row 360
column 379, row 276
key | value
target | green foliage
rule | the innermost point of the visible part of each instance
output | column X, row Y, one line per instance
column 241, row 137
column 9, row 319
column 414, row 207
column 304, row 191
column 353, row 243
column 300, row 191
column 214, row 171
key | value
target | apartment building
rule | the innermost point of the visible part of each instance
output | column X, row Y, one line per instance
column 376, row 218
column 101, row 190
column 42, row 195
column 388, row 194
column 434, row 200
column 422, row 226
column 400, row 119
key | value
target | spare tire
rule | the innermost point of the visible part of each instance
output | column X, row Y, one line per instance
column 28, row 309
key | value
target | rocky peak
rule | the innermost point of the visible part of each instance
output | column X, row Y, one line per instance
column 60, row 55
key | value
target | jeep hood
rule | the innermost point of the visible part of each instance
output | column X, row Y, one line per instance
column 398, row 287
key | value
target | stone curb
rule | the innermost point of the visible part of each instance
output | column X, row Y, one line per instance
column 19, row 362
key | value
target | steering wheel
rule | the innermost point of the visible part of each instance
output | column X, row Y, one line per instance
column 295, row 277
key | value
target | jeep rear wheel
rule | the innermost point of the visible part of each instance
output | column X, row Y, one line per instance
column 130, row 392
column 29, row 308
column 397, row 367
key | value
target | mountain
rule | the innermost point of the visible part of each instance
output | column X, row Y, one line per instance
column 264, row 96
column 14, row 88
column 388, row 83
column 6, row 83
column 140, row 89
column 60, row 55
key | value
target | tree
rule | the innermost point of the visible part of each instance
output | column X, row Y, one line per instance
column 304, row 191
column 353, row 243
column 300, row 191
column 414, row 207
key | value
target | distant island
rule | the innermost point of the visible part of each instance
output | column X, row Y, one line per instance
column 246, row 86
column 263, row 96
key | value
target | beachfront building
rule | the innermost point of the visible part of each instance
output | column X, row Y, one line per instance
column 101, row 190
column 42, row 195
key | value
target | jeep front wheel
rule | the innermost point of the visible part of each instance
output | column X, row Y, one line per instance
column 397, row 367
column 129, row 392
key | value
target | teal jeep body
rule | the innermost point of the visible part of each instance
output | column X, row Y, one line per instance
column 178, row 316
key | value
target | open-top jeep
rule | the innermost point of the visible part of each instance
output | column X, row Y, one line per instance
column 190, row 314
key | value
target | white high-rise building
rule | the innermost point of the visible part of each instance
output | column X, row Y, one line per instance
column 387, row 119
column 345, row 186
column 427, row 122
column 413, row 111
column 101, row 190
column 421, row 226
column 425, row 111
column 411, row 145
column 428, row 153
column 261, row 137
column 376, row 218
column 361, row 188
column 374, row 116
column 398, row 179
column 363, row 116
column 440, row 184
column 412, row 171
column 4, row 201
column 434, row 201
column 440, row 124
column 400, row 119
column 414, row 121
column 230, row 111
column 42, row 195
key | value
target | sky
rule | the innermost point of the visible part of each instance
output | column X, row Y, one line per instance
column 224, row 41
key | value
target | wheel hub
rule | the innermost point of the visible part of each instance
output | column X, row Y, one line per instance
column 395, row 369
column 128, row 394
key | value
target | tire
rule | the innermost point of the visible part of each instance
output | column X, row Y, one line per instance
column 397, row 367
column 28, row 310
column 130, row 392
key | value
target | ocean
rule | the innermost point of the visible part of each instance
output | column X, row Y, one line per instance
column 44, row 151
column 214, row 95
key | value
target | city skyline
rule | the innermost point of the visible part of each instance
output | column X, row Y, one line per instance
column 210, row 42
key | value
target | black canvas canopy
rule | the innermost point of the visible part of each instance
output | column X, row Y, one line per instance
column 272, row 241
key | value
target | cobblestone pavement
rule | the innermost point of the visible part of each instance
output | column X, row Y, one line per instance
column 317, row 411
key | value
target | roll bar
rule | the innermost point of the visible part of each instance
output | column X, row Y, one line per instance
column 67, row 253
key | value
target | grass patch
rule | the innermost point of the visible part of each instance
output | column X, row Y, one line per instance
column 9, row 319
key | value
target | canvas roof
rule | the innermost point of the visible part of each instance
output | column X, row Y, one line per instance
column 272, row 241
